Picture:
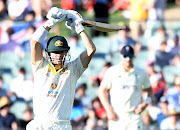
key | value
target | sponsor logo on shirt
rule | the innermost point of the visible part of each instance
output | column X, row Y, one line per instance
column 64, row 73
column 48, row 73
column 129, row 87
column 53, row 93
column 53, row 86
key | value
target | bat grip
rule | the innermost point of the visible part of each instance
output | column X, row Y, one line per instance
column 86, row 24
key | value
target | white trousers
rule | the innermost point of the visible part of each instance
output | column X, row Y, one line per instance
column 49, row 125
column 126, row 121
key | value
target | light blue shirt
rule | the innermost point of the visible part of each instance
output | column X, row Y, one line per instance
column 166, row 124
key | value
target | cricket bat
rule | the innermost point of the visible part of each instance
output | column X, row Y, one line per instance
column 103, row 27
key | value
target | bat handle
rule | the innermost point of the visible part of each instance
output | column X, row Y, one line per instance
column 86, row 24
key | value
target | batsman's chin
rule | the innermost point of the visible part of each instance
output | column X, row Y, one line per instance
column 57, row 62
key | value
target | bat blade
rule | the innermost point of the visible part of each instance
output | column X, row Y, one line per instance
column 103, row 27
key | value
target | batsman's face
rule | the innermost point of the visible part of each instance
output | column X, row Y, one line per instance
column 58, row 58
column 127, row 60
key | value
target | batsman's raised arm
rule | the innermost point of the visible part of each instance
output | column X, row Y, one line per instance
column 54, row 16
column 90, row 49
column 36, row 49
column 74, row 22
column 55, row 76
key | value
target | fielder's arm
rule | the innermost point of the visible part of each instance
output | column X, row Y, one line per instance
column 148, row 99
column 103, row 96
column 149, row 92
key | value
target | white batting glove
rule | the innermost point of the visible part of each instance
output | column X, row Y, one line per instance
column 74, row 21
column 55, row 15
column 70, row 24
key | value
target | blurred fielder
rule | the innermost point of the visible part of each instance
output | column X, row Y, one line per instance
column 126, row 84
column 54, row 77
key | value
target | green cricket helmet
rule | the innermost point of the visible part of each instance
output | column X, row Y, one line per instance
column 57, row 43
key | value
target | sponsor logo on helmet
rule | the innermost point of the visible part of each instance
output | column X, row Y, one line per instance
column 127, row 48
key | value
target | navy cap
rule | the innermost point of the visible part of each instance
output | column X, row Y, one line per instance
column 127, row 50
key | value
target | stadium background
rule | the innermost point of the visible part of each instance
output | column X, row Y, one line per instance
column 15, row 33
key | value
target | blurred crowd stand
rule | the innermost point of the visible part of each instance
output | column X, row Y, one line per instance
column 154, row 39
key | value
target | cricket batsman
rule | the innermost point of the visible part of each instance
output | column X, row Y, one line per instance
column 54, row 76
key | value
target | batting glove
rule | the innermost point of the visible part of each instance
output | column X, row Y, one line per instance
column 74, row 21
column 54, row 16
column 70, row 24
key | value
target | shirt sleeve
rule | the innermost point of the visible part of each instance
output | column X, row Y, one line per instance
column 38, row 65
column 146, row 81
column 77, row 67
column 107, row 82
